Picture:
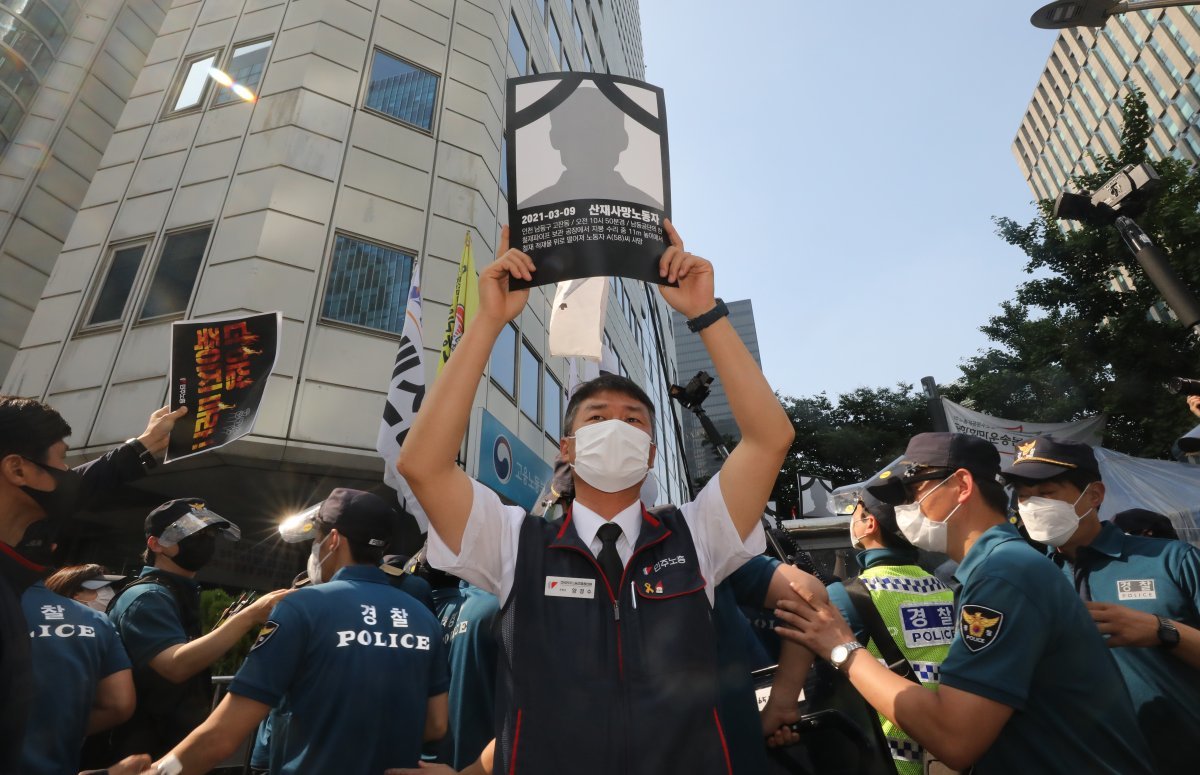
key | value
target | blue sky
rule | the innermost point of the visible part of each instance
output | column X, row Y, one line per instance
column 841, row 170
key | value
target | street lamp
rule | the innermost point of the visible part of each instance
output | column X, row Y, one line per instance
column 1092, row 13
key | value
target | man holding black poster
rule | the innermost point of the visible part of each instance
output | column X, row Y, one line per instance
column 612, row 605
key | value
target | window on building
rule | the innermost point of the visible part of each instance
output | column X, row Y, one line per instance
column 587, row 59
column 531, row 382
column 175, row 275
column 578, row 32
column 540, row 7
column 518, row 49
column 194, row 82
column 402, row 90
column 552, row 407
column 113, row 297
column 244, row 71
column 555, row 39
column 368, row 285
column 503, row 362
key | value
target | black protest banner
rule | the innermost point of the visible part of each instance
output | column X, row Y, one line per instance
column 219, row 370
column 588, row 176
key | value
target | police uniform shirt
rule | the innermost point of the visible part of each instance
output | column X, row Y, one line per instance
column 1025, row 640
column 469, row 622
column 357, row 661
column 74, row 648
column 147, row 618
column 488, row 552
column 1159, row 577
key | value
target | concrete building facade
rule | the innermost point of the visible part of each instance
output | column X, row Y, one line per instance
column 358, row 146
column 691, row 357
column 1075, row 111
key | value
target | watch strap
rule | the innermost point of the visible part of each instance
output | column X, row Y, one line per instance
column 1168, row 633
column 701, row 322
column 850, row 647
column 146, row 458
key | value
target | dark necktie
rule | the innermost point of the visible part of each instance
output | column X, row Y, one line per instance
column 1081, row 568
column 609, row 559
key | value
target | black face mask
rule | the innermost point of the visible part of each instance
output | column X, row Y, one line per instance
column 62, row 501
column 195, row 551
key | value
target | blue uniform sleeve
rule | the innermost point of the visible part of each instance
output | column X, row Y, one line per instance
column 1187, row 575
column 276, row 657
column 840, row 599
column 751, row 582
column 150, row 624
column 113, row 658
column 1001, row 633
column 439, row 676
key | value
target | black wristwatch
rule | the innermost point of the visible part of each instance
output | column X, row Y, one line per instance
column 701, row 322
column 1168, row 636
column 147, row 460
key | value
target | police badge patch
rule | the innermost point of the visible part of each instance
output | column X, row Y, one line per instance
column 268, row 629
column 979, row 626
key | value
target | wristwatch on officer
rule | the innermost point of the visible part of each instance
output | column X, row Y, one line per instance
column 701, row 322
column 144, row 456
column 1168, row 636
column 841, row 654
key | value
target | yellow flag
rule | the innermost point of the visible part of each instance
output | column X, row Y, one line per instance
column 466, row 301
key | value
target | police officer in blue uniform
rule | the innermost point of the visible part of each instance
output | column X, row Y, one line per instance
column 1143, row 593
column 469, row 616
column 1028, row 685
column 356, row 664
column 83, row 680
column 158, row 619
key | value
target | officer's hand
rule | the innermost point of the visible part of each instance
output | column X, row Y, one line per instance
column 815, row 624
column 1125, row 626
column 158, row 429
column 423, row 768
column 776, row 718
column 260, row 609
column 1193, row 403
column 130, row 765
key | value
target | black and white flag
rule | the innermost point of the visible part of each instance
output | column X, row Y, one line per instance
column 405, row 393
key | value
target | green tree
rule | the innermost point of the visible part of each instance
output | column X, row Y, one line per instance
column 1071, row 343
column 848, row 440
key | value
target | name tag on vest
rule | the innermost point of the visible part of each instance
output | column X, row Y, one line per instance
column 1136, row 589
column 927, row 624
column 564, row 586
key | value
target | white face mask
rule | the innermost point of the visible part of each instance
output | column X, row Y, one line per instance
column 855, row 540
column 1049, row 521
column 611, row 455
column 104, row 596
column 314, row 562
column 921, row 531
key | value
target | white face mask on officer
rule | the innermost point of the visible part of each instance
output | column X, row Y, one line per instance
column 104, row 596
column 314, row 562
column 921, row 531
column 1050, row 521
column 611, row 455
column 856, row 540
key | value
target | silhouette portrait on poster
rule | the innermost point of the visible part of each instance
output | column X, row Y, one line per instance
column 588, row 175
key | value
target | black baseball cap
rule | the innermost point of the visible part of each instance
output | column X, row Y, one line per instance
column 188, row 516
column 1045, row 457
column 362, row 517
column 1145, row 522
column 934, row 456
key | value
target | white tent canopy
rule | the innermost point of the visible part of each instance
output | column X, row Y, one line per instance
column 1164, row 486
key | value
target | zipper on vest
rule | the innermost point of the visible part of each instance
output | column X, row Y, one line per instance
column 616, row 611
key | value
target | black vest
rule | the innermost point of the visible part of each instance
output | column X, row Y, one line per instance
column 166, row 712
column 621, row 683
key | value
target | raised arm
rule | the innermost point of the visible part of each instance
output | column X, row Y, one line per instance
column 749, row 474
column 428, row 458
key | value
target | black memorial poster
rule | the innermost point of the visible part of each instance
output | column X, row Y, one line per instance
column 219, row 370
column 588, row 180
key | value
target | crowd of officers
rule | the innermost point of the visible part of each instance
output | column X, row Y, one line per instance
column 616, row 637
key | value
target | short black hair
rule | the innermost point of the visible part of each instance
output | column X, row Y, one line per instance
column 361, row 553
column 29, row 428
column 993, row 494
column 607, row 382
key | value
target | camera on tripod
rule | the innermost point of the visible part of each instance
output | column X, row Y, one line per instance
column 693, row 394
column 1183, row 386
